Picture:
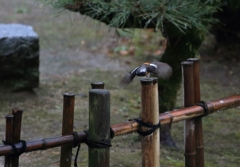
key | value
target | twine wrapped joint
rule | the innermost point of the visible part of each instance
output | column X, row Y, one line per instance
column 204, row 105
column 97, row 144
column 151, row 127
column 16, row 152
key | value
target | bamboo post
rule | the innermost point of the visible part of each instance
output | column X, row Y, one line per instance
column 189, row 124
column 67, row 128
column 198, row 121
column 150, row 115
column 99, row 127
column 8, row 137
column 16, row 132
column 97, row 85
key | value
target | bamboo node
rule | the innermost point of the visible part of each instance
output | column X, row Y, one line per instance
column 171, row 117
column 190, row 154
column 200, row 147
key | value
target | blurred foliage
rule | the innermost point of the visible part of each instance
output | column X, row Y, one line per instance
column 137, row 43
column 183, row 14
column 227, row 29
column 232, row 4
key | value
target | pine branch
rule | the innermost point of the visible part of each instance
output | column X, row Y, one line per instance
column 183, row 14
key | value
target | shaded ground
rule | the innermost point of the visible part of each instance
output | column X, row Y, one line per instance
column 75, row 52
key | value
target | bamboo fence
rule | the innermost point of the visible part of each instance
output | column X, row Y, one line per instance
column 99, row 129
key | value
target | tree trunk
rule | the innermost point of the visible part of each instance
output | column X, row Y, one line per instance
column 180, row 47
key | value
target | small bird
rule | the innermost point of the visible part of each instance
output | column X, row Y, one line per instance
column 160, row 69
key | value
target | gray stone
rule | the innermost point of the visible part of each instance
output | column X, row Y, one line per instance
column 19, row 56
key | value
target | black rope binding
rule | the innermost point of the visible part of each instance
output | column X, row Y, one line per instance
column 15, row 150
column 98, row 144
column 148, row 132
column 76, row 156
column 75, row 139
column 204, row 105
column 90, row 143
column 76, row 143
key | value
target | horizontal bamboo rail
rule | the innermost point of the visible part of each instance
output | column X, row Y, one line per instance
column 181, row 114
column 128, row 127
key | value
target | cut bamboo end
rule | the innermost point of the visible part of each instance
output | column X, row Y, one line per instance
column 187, row 63
column 146, row 81
column 97, row 85
column 193, row 59
column 68, row 94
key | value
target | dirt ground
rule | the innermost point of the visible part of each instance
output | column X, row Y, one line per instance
column 74, row 51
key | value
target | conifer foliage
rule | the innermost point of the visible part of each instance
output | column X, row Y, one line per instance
column 183, row 14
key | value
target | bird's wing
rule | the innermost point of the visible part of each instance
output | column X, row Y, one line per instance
column 129, row 77
column 162, row 70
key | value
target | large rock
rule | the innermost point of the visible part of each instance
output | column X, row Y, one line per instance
column 19, row 56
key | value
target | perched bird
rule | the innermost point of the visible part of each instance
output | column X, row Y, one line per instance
column 160, row 69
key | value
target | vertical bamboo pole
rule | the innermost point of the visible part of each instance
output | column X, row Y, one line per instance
column 99, row 127
column 189, row 125
column 16, row 132
column 97, row 85
column 198, row 121
column 8, row 138
column 67, row 128
column 150, row 115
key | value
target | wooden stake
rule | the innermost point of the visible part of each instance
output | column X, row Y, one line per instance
column 67, row 128
column 150, row 115
column 198, row 121
column 8, row 138
column 99, row 127
column 16, row 132
column 189, row 125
